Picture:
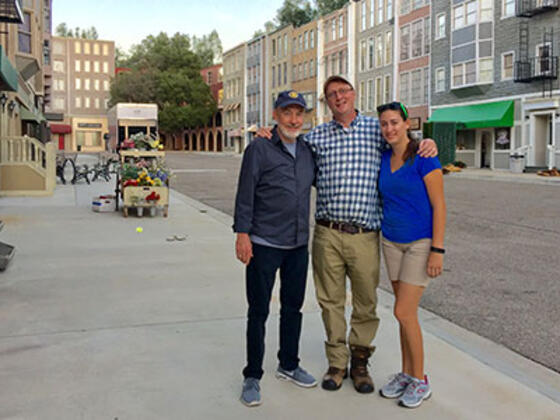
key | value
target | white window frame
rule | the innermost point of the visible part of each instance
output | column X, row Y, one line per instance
column 379, row 11
column 379, row 94
column 363, row 20
column 387, row 81
column 379, row 51
column 370, row 95
column 439, row 35
column 439, row 80
column 388, row 47
column 505, row 3
column 512, row 53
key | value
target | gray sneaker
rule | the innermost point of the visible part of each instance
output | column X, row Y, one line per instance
column 298, row 376
column 416, row 392
column 251, row 394
column 396, row 386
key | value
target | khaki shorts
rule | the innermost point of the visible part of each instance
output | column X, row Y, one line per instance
column 407, row 262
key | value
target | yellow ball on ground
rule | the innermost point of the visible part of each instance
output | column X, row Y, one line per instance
column 139, row 229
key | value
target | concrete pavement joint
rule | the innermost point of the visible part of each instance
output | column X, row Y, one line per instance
column 523, row 370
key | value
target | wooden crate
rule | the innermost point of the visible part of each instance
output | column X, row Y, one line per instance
column 130, row 193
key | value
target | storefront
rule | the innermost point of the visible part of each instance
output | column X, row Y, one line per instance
column 87, row 134
column 484, row 132
column 543, row 129
column 61, row 135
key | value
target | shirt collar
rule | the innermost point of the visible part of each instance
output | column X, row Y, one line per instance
column 276, row 137
column 355, row 122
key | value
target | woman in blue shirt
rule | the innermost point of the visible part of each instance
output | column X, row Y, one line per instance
column 413, row 228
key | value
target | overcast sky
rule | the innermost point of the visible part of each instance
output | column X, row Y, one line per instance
column 127, row 22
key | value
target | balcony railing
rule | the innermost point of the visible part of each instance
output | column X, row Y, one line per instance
column 11, row 11
column 536, row 68
column 529, row 8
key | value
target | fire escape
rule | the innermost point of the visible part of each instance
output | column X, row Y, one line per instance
column 543, row 65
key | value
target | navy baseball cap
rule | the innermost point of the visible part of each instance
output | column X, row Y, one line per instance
column 289, row 97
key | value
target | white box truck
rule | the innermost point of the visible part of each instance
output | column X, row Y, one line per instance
column 126, row 119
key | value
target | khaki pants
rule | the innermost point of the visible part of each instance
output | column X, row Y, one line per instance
column 335, row 256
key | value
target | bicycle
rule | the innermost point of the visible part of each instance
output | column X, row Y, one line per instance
column 65, row 169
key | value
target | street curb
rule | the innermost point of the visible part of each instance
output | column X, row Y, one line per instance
column 520, row 179
column 535, row 376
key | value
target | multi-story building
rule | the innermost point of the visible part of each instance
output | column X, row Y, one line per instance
column 374, row 54
column 234, row 98
column 495, row 72
column 256, row 83
column 414, row 28
column 208, row 138
column 336, row 44
column 304, row 69
column 279, row 66
column 82, row 72
column 27, row 165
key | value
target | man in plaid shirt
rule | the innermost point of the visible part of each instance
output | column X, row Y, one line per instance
column 347, row 152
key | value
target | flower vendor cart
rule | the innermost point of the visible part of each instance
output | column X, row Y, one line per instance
column 143, row 181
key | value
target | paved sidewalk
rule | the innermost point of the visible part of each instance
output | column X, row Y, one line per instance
column 506, row 176
column 102, row 322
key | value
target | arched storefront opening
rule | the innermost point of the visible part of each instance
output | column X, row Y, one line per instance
column 210, row 142
column 193, row 142
column 201, row 142
column 219, row 147
column 186, row 141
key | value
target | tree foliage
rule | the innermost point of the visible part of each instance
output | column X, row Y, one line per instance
column 295, row 12
column 165, row 70
column 208, row 48
column 86, row 33
column 324, row 7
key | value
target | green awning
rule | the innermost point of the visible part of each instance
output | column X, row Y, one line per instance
column 27, row 115
column 491, row 114
column 8, row 74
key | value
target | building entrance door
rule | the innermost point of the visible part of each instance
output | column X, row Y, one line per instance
column 61, row 142
column 543, row 138
column 486, row 142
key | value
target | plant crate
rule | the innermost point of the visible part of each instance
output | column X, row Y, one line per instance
column 135, row 197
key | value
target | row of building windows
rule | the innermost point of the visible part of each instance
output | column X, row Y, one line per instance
column 253, row 74
column 96, row 103
column 59, row 84
column 334, row 29
column 376, row 52
column 95, row 49
column 465, row 73
column 374, row 93
column 375, row 12
column 232, row 88
column 304, row 42
column 280, row 46
column 305, row 70
column 415, row 86
column 95, row 66
column 408, row 6
column 232, row 117
column 280, row 78
column 233, row 62
column 415, row 39
column 336, row 63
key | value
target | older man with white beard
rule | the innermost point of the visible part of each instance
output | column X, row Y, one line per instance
column 272, row 225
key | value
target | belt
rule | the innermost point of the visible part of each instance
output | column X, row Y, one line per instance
column 343, row 227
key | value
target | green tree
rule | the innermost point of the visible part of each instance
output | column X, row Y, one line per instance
column 121, row 57
column 166, row 71
column 324, row 7
column 63, row 31
column 295, row 12
column 208, row 48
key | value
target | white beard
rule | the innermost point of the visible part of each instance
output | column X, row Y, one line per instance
column 293, row 135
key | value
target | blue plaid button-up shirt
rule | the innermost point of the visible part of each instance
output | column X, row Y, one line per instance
column 348, row 162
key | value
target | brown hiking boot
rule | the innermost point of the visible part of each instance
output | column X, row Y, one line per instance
column 358, row 369
column 333, row 378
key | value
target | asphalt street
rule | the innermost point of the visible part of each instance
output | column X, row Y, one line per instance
column 501, row 278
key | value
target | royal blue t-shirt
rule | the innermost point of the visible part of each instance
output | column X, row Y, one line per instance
column 407, row 212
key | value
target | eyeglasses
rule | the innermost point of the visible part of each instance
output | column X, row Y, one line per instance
column 341, row 92
column 393, row 106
